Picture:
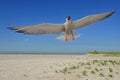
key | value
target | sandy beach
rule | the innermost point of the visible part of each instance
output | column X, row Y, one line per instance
column 59, row 67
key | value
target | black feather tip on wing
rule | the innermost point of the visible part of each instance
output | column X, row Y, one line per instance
column 16, row 29
column 12, row 28
column 20, row 31
column 110, row 13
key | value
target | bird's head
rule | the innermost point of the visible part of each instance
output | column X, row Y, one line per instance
column 68, row 18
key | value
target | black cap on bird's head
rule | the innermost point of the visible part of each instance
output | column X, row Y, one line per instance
column 68, row 17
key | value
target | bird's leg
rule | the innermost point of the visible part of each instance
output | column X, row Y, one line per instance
column 66, row 39
column 73, row 37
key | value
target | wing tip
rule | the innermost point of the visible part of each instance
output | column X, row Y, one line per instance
column 16, row 29
column 12, row 28
column 20, row 31
column 113, row 11
column 109, row 13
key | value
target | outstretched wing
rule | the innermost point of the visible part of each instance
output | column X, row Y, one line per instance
column 91, row 19
column 40, row 29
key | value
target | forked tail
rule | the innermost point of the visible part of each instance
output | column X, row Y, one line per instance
column 69, row 37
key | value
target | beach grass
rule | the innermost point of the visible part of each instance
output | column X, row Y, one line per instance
column 106, row 53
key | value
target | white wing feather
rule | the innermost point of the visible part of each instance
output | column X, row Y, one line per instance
column 91, row 19
column 40, row 29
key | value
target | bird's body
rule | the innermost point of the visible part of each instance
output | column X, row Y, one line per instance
column 67, row 27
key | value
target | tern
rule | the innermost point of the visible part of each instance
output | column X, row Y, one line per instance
column 67, row 27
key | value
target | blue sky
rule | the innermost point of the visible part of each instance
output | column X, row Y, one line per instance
column 101, row 36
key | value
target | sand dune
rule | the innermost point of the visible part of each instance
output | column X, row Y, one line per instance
column 59, row 67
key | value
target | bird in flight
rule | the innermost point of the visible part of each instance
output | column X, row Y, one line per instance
column 67, row 27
